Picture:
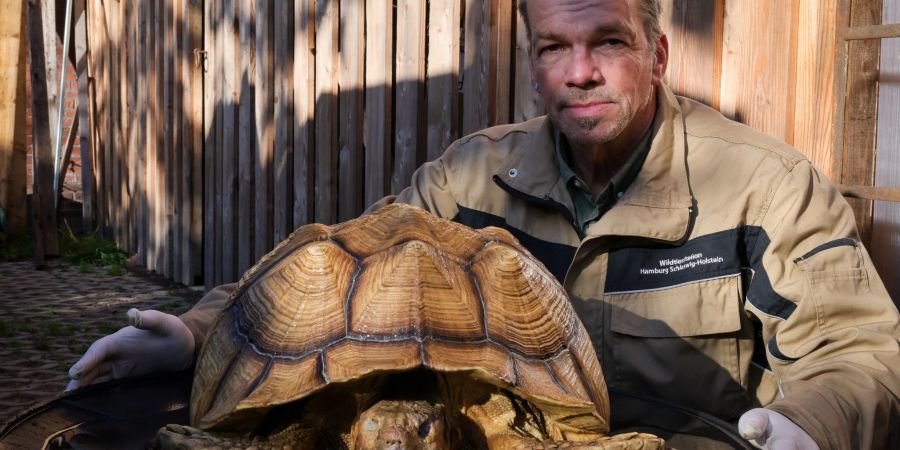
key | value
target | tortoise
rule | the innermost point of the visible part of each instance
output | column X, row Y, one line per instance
column 399, row 330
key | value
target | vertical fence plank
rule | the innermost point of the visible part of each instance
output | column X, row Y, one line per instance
column 264, row 129
column 527, row 103
column 443, row 76
column 152, row 163
column 97, row 68
column 105, row 133
column 12, row 118
column 230, row 88
column 326, row 110
column 51, row 41
column 694, row 28
column 131, row 94
column 246, row 134
column 410, row 78
column 350, row 156
column 210, row 62
column 142, row 142
column 115, row 12
column 476, row 56
column 283, row 100
column 379, row 92
column 860, row 115
column 85, row 117
column 304, row 108
column 501, row 68
column 177, row 118
column 756, row 65
column 193, row 139
column 113, row 147
column 164, row 138
column 42, row 207
column 815, row 105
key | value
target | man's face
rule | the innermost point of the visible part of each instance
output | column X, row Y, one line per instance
column 595, row 68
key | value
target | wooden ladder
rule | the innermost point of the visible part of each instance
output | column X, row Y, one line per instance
column 844, row 36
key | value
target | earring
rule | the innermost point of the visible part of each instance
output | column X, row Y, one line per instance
column 537, row 87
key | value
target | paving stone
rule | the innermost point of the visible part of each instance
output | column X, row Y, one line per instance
column 48, row 318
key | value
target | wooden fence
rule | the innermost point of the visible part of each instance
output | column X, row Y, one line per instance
column 221, row 126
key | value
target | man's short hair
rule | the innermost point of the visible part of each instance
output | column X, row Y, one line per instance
column 649, row 11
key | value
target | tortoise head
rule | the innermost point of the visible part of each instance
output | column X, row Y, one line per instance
column 401, row 425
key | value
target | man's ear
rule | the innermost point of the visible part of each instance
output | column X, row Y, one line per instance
column 661, row 59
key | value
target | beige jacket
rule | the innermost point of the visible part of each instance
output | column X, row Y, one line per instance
column 728, row 275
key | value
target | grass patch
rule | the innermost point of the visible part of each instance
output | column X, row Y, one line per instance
column 114, row 270
column 89, row 252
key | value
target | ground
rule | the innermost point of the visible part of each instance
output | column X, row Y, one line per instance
column 48, row 318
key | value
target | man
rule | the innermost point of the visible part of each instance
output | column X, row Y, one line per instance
column 713, row 266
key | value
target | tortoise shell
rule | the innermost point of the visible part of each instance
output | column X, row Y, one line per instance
column 392, row 291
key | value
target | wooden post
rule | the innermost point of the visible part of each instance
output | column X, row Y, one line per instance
column 46, row 242
column 88, row 184
column 12, row 108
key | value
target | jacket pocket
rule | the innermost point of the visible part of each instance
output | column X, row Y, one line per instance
column 838, row 283
column 689, row 344
column 694, row 309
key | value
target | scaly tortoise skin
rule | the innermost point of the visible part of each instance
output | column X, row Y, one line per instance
column 399, row 328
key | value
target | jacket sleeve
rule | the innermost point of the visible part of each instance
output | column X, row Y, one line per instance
column 430, row 190
column 830, row 328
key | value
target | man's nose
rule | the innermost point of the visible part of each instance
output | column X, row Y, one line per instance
column 583, row 70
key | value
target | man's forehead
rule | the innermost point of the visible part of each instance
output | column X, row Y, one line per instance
column 598, row 14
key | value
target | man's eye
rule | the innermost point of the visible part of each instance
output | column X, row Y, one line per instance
column 551, row 48
column 612, row 43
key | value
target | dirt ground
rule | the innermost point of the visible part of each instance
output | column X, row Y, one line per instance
column 48, row 318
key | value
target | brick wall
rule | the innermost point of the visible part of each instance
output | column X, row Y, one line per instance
column 72, row 182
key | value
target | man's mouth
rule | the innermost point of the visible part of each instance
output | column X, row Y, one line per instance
column 587, row 109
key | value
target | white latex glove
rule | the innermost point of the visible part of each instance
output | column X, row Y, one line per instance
column 769, row 430
column 155, row 342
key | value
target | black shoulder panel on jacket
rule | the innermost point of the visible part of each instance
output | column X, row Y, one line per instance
column 555, row 256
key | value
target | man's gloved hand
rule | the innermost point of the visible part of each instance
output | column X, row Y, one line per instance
column 155, row 342
column 769, row 430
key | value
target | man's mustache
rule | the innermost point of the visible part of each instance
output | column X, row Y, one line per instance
column 581, row 97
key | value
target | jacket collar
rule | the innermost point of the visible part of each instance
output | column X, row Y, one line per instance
column 656, row 206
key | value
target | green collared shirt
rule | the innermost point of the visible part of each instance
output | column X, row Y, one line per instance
column 589, row 209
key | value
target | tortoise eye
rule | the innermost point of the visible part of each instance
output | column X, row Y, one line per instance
column 425, row 429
